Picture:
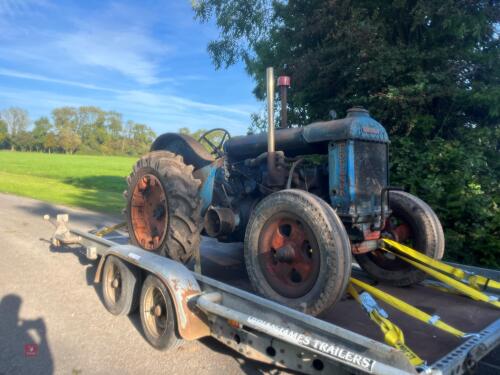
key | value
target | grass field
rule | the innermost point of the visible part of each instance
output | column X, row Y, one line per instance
column 94, row 182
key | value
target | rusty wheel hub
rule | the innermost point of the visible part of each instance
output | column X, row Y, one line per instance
column 289, row 255
column 149, row 212
column 398, row 230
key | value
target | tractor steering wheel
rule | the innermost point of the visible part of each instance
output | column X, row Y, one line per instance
column 219, row 139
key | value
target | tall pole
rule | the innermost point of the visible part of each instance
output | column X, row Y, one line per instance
column 271, row 161
column 270, row 109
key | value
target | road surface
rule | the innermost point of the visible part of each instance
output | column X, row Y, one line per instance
column 48, row 298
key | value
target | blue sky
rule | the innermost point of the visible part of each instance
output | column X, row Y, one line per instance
column 144, row 59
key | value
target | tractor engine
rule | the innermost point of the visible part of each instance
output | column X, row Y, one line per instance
column 342, row 161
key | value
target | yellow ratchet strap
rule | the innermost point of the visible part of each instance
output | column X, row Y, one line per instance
column 475, row 281
column 393, row 335
column 108, row 230
column 455, row 284
column 408, row 309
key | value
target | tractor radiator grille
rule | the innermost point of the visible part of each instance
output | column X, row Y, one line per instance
column 371, row 173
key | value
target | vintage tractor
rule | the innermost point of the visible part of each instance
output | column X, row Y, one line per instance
column 301, row 199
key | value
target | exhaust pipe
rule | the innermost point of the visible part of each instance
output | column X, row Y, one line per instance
column 270, row 121
column 283, row 84
column 220, row 221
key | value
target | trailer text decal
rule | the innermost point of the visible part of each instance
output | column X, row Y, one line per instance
column 331, row 350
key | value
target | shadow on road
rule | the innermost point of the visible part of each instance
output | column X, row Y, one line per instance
column 77, row 216
column 24, row 348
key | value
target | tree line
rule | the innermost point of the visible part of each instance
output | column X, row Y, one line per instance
column 86, row 130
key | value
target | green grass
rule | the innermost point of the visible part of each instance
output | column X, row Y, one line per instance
column 94, row 182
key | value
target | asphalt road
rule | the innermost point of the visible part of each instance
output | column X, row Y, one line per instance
column 48, row 298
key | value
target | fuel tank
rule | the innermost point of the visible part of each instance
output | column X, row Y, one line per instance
column 310, row 139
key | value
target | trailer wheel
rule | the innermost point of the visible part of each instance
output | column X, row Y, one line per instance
column 163, row 206
column 412, row 223
column 120, row 286
column 297, row 251
column 158, row 315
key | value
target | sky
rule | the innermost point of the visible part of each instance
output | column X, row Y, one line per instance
column 145, row 59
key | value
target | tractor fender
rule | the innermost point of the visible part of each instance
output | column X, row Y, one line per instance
column 179, row 281
column 189, row 148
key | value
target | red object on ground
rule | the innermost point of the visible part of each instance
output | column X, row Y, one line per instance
column 31, row 350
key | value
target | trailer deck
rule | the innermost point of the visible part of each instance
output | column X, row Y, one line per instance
column 345, row 340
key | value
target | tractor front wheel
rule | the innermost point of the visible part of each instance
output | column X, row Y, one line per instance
column 297, row 251
column 412, row 223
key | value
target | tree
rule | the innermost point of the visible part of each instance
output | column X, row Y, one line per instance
column 91, row 127
column 69, row 140
column 4, row 132
column 428, row 71
column 40, row 131
column 50, row 142
column 65, row 118
column 17, row 120
column 23, row 140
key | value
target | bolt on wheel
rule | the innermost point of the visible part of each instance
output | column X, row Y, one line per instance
column 149, row 212
column 289, row 254
column 297, row 251
column 120, row 286
column 414, row 224
column 158, row 315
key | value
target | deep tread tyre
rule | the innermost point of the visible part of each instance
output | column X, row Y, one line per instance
column 158, row 317
column 427, row 237
column 183, row 204
column 327, row 237
column 120, row 285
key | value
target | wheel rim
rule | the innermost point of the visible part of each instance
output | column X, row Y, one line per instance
column 289, row 255
column 113, row 284
column 149, row 212
column 155, row 312
column 397, row 229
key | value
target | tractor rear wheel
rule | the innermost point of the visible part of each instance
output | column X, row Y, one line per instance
column 163, row 206
column 297, row 251
column 412, row 223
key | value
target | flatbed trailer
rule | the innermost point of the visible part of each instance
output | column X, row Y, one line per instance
column 217, row 302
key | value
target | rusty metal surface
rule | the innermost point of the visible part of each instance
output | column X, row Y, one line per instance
column 289, row 255
column 148, row 212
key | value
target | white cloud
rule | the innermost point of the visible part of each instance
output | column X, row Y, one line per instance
column 38, row 77
column 130, row 52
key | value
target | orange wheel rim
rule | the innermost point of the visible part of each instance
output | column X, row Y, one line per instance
column 149, row 212
column 289, row 255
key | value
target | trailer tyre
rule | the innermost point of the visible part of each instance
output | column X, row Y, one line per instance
column 412, row 223
column 164, row 206
column 120, row 286
column 297, row 251
column 158, row 319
